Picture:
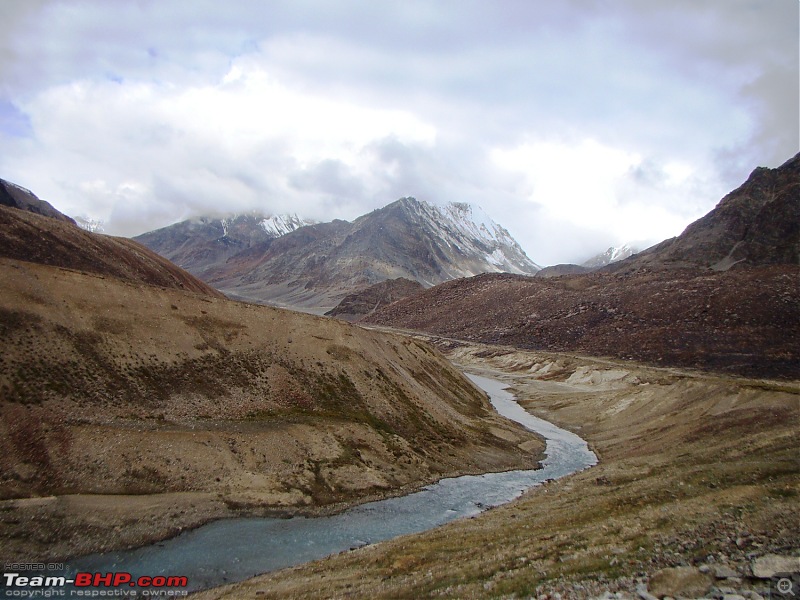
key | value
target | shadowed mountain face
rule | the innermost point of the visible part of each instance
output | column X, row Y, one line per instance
column 678, row 303
column 15, row 196
column 367, row 301
column 317, row 265
column 203, row 244
column 756, row 224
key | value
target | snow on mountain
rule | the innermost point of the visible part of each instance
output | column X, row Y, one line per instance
column 278, row 225
column 471, row 232
column 612, row 255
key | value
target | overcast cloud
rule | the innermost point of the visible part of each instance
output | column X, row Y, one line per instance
column 576, row 124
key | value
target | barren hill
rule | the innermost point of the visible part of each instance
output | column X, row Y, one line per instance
column 744, row 321
column 756, row 224
column 367, row 301
column 120, row 401
column 15, row 196
column 678, row 303
column 42, row 239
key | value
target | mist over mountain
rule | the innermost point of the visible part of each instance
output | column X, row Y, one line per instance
column 612, row 255
column 201, row 244
column 317, row 265
column 758, row 223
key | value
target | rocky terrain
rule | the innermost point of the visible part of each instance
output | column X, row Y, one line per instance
column 723, row 296
column 363, row 303
column 315, row 267
column 756, row 224
column 15, row 196
column 743, row 321
column 695, row 496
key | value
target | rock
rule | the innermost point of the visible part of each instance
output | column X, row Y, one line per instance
column 765, row 567
column 641, row 590
column 679, row 581
column 723, row 572
column 733, row 597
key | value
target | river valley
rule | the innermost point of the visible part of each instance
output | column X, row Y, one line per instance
column 231, row 550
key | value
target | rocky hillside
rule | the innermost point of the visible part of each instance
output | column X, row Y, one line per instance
column 563, row 269
column 205, row 243
column 706, row 314
column 756, row 224
column 186, row 407
column 744, row 321
column 15, row 196
column 363, row 303
column 32, row 237
column 317, row 266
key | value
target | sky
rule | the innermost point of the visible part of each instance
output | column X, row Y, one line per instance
column 576, row 124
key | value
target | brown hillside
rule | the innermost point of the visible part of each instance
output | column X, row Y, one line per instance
column 41, row 239
column 756, row 224
column 744, row 321
column 367, row 301
column 120, row 400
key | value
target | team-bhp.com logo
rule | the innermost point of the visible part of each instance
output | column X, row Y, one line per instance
column 159, row 584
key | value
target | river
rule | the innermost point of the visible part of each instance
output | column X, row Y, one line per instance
column 232, row 550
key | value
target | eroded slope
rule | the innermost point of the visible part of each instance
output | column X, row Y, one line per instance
column 119, row 391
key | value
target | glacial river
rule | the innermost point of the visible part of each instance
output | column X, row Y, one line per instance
column 231, row 550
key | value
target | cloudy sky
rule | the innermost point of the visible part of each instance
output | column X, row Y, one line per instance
column 576, row 124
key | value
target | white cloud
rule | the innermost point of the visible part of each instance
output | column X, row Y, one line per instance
column 575, row 124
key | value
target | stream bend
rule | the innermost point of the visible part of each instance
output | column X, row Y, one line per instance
column 231, row 550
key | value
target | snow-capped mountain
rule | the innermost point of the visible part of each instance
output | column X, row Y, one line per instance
column 471, row 236
column 204, row 243
column 279, row 225
column 316, row 266
column 286, row 260
column 612, row 255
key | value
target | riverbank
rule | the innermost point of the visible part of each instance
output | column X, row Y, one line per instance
column 696, row 471
column 233, row 550
column 131, row 413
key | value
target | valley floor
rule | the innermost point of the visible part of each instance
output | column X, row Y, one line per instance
column 696, row 471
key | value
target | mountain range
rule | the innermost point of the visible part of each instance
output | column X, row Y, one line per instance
column 131, row 391
column 723, row 295
column 317, row 265
column 204, row 244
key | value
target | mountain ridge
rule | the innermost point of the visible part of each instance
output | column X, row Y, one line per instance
column 316, row 266
column 722, row 296
column 758, row 223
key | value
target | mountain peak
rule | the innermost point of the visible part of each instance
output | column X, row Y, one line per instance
column 316, row 266
column 756, row 224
